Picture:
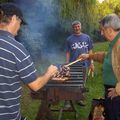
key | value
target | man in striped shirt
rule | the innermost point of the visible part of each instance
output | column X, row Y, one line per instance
column 15, row 64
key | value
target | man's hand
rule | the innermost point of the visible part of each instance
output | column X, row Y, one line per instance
column 91, row 70
column 83, row 56
column 62, row 74
column 112, row 93
column 51, row 70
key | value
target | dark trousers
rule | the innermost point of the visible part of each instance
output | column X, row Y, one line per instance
column 112, row 107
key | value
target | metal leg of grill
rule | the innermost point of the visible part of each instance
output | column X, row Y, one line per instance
column 44, row 112
column 61, row 110
column 60, row 114
column 74, row 110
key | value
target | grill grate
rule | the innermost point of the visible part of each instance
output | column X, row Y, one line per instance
column 73, row 90
column 77, row 77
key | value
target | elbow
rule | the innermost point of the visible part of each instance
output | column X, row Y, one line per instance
column 34, row 87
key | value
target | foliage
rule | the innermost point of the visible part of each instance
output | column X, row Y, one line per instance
column 80, row 10
column 89, row 12
column 103, row 9
column 107, row 7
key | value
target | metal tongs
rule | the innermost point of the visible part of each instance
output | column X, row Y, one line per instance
column 64, row 70
column 71, row 63
column 89, row 72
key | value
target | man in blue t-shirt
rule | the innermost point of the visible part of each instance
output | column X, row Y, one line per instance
column 77, row 44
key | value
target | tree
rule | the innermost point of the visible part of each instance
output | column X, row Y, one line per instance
column 82, row 10
column 89, row 12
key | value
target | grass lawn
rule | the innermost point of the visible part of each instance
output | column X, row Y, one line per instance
column 95, row 85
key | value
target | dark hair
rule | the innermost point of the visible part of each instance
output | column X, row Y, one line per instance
column 7, row 10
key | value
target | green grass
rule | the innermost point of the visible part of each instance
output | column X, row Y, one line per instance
column 95, row 85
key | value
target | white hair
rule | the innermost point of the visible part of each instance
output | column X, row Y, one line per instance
column 76, row 22
column 111, row 20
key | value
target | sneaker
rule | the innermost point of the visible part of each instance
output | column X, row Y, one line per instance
column 81, row 103
column 67, row 104
column 23, row 118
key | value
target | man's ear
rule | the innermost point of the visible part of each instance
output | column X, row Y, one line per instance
column 13, row 18
column 12, row 21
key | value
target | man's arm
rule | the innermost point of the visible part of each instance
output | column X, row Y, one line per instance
column 116, row 64
column 97, row 56
column 116, row 68
column 67, row 57
column 43, row 79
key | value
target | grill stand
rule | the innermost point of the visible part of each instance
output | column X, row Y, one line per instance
column 44, row 112
column 54, row 92
column 52, row 96
column 72, row 109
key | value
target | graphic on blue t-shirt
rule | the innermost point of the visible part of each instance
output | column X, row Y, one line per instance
column 77, row 45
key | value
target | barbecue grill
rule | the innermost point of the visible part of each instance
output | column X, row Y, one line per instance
column 72, row 89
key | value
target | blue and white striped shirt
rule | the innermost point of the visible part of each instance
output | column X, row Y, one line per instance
column 15, row 66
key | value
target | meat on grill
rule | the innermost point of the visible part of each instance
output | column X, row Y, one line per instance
column 63, row 73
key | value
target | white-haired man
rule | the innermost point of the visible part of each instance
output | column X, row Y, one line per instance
column 110, row 29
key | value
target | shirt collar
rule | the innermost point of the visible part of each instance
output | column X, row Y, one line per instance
column 2, row 32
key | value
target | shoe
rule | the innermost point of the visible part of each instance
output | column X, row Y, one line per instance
column 67, row 104
column 23, row 118
column 81, row 103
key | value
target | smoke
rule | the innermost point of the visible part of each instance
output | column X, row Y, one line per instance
column 43, row 36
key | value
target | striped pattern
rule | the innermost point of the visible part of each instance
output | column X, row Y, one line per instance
column 15, row 66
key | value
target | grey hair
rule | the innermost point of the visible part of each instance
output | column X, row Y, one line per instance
column 111, row 20
column 76, row 22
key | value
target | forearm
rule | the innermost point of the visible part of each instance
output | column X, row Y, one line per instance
column 91, row 60
column 97, row 56
column 67, row 57
column 117, row 88
column 39, row 82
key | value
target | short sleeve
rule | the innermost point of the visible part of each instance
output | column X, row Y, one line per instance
column 26, row 68
column 67, row 46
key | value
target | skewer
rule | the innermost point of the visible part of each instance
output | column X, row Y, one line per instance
column 92, row 74
column 89, row 72
column 73, row 62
